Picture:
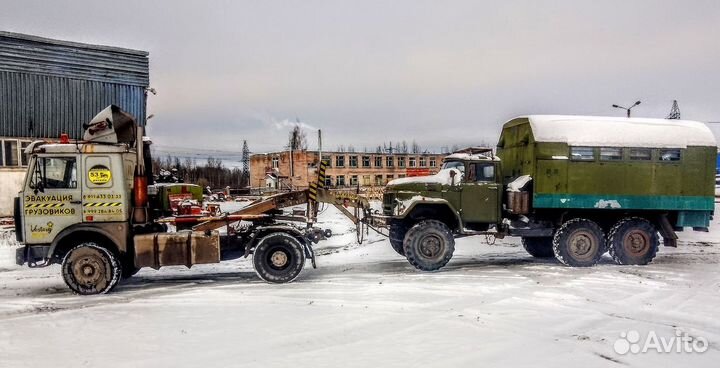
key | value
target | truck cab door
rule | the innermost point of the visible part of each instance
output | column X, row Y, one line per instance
column 480, row 194
column 51, row 197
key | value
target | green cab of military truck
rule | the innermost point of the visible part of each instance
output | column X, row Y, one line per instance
column 463, row 197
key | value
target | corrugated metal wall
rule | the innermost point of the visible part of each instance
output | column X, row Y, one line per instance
column 49, row 87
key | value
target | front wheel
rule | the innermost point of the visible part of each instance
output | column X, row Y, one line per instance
column 579, row 243
column 278, row 258
column 89, row 268
column 429, row 245
column 633, row 241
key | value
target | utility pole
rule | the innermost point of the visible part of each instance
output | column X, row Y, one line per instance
column 674, row 111
column 627, row 108
column 245, row 179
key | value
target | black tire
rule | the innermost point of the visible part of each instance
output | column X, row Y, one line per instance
column 539, row 247
column 579, row 243
column 429, row 245
column 397, row 237
column 633, row 241
column 278, row 258
column 89, row 268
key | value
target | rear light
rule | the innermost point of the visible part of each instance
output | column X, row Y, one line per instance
column 64, row 138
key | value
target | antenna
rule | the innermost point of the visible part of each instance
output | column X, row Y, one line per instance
column 674, row 111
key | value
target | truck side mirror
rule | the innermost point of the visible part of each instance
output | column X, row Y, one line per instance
column 452, row 177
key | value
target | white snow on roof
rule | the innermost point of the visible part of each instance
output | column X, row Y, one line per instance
column 442, row 177
column 620, row 132
column 467, row 156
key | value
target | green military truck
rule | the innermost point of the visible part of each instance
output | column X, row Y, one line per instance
column 572, row 187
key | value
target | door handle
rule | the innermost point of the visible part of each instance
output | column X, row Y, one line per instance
column 492, row 188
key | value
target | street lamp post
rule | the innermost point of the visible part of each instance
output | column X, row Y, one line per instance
column 627, row 108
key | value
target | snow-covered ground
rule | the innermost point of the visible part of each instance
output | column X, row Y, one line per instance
column 365, row 306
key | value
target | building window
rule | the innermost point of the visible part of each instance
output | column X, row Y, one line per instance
column 353, row 180
column 366, row 161
column 378, row 161
column 341, row 180
column 610, row 154
column 389, row 161
column 340, row 161
column 670, row 154
column 401, row 161
column 412, row 162
column 432, row 162
column 640, row 154
column 328, row 181
column 378, row 180
column 423, row 161
column 353, row 161
column 389, row 178
column 24, row 155
column 326, row 159
column 582, row 153
column 400, row 176
column 275, row 162
column 366, row 180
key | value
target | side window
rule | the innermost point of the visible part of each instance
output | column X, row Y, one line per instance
column 582, row 153
column 482, row 173
column 54, row 173
column 670, row 154
column 610, row 154
column 640, row 154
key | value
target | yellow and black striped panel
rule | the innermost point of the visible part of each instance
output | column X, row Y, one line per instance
column 102, row 204
column 44, row 205
column 321, row 174
column 312, row 191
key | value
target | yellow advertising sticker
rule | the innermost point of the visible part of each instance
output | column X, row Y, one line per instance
column 99, row 175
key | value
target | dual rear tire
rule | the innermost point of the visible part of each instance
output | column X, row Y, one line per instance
column 581, row 242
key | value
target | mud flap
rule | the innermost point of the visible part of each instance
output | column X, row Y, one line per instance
column 309, row 253
column 667, row 232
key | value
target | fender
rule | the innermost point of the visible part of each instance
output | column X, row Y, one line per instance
column 117, row 232
column 432, row 202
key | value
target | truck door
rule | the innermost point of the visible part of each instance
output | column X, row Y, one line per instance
column 51, row 197
column 480, row 194
column 103, row 189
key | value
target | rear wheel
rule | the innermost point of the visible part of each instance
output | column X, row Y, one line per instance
column 429, row 245
column 539, row 247
column 633, row 241
column 579, row 243
column 89, row 268
column 397, row 236
column 278, row 258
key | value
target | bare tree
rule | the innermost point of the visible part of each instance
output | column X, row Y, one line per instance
column 297, row 140
column 415, row 148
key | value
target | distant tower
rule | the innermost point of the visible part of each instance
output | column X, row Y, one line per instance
column 674, row 112
column 245, row 165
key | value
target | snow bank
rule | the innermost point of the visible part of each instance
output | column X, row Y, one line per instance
column 620, row 132
column 443, row 177
column 467, row 156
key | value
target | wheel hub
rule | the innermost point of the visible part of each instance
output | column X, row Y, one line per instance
column 636, row 242
column 430, row 246
column 279, row 258
column 88, row 270
column 583, row 245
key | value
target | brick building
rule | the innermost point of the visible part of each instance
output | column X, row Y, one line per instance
column 346, row 169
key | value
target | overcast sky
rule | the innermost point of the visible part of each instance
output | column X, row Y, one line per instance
column 439, row 72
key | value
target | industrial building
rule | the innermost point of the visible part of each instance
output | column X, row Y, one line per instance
column 280, row 170
column 50, row 87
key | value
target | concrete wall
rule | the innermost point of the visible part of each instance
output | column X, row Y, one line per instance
column 11, row 180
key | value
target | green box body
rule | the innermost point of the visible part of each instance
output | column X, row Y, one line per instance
column 685, row 187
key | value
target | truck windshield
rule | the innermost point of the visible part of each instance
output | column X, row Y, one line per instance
column 457, row 165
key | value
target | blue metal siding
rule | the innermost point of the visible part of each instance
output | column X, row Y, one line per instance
column 49, row 87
